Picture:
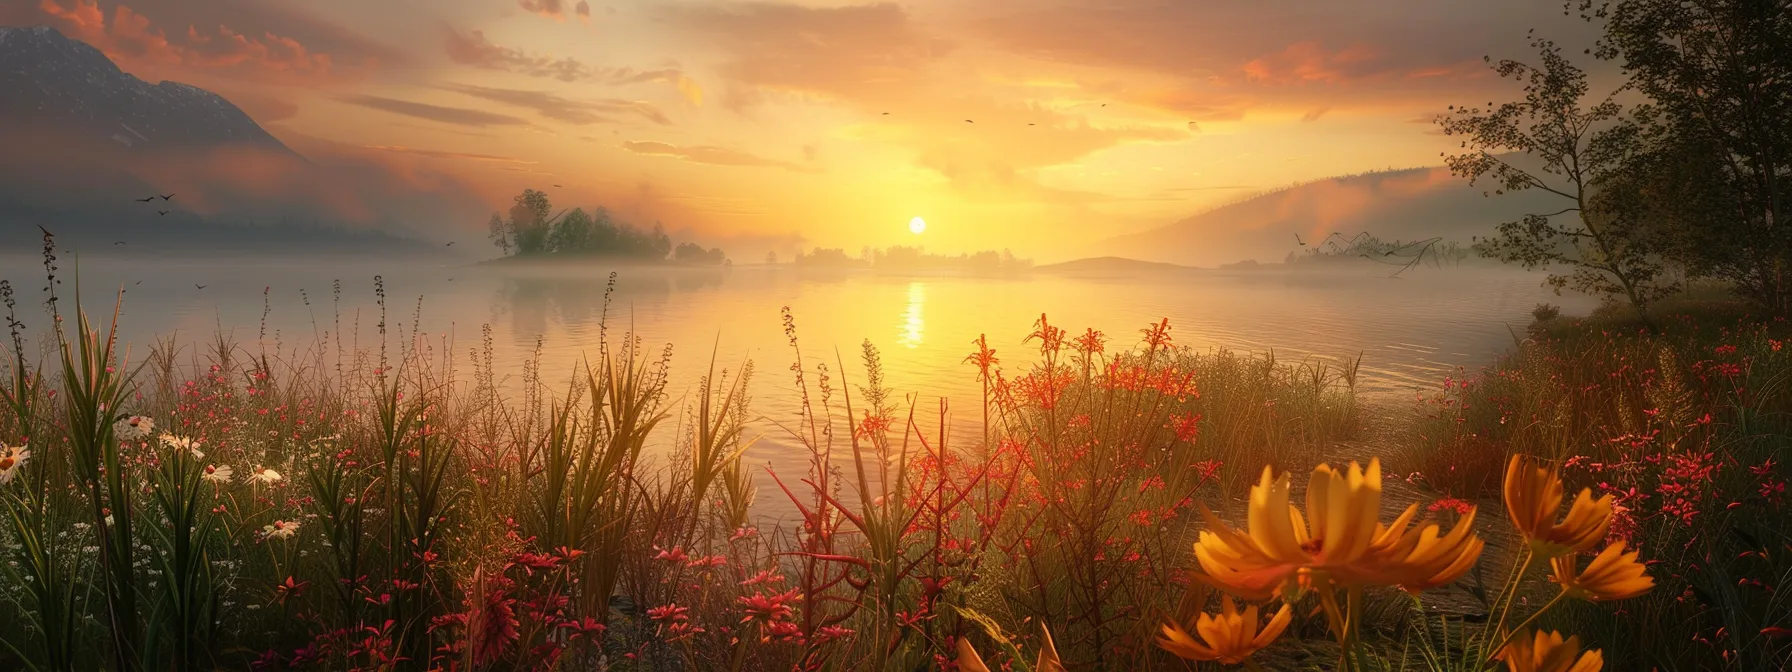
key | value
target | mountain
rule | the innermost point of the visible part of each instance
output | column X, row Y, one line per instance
column 1411, row 204
column 85, row 142
column 52, row 80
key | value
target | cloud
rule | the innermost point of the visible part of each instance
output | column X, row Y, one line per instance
column 862, row 52
column 474, row 49
column 459, row 116
column 562, row 109
column 715, row 156
column 1311, row 62
column 442, row 154
column 553, row 9
column 215, row 45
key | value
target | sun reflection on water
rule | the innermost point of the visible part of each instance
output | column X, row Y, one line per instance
column 912, row 324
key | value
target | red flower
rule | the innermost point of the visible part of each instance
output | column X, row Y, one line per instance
column 1188, row 427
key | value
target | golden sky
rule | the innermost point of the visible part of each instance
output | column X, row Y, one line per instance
column 1038, row 125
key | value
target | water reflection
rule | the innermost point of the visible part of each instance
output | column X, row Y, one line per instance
column 913, row 325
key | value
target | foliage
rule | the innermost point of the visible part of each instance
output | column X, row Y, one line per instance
column 1686, row 429
column 1580, row 151
column 531, row 231
column 1718, row 77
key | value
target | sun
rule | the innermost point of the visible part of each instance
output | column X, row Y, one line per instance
column 917, row 225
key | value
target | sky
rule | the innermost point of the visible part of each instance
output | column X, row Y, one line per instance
column 1035, row 125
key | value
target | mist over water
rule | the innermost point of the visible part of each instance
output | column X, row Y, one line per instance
column 1412, row 331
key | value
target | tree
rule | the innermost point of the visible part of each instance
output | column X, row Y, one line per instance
column 572, row 234
column 529, row 222
column 500, row 233
column 1720, row 74
column 1578, row 152
column 690, row 253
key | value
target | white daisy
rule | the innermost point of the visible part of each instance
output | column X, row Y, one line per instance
column 218, row 474
column 134, row 428
column 12, row 459
column 183, row 443
column 280, row 529
column 268, row 476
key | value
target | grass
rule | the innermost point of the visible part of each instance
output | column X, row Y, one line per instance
column 390, row 507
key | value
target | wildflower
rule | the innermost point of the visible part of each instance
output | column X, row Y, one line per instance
column 182, row 443
column 12, row 459
column 1548, row 652
column 280, row 529
column 1613, row 575
column 134, row 428
column 268, row 476
column 1229, row 637
column 1281, row 552
column 1187, row 427
column 675, row 555
column 969, row 661
column 1533, row 495
column 218, row 475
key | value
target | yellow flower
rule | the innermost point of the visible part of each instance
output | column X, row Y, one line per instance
column 1229, row 637
column 969, row 661
column 1420, row 560
column 1338, row 540
column 1534, row 495
column 1613, row 575
column 1548, row 652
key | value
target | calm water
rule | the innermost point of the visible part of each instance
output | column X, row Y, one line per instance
column 1411, row 331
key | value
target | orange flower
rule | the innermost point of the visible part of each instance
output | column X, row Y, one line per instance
column 1548, row 652
column 1533, row 497
column 1343, row 543
column 1613, row 575
column 1230, row 637
column 969, row 661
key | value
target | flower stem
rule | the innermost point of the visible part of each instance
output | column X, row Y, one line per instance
column 1510, row 594
column 1507, row 637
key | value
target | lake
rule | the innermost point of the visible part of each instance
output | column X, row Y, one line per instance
column 1411, row 331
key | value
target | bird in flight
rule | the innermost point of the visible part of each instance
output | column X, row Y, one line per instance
column 167, row 196
column 450, row 244
column 969, row 121
column 1298, row 240
column 886, row 114
column 118, row 242
column 199, row 286
column 1029, row 123
column 162, row 212
column 146, row 199
column 139, row 282
column 558, row 185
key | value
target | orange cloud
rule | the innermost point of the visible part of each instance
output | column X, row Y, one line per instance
column 556, row 9
column 562, row 109
column 1309, row 62
column 472, row 48
column 718, row 156
column 131, row 39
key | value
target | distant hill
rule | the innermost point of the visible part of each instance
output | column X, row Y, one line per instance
column 50, row 79
column 85, row 141
column 1409, row 204
column 1110, row 266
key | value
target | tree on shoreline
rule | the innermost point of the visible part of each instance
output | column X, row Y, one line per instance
column 1578, row 152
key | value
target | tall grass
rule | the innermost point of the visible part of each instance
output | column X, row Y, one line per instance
column 385, row 511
